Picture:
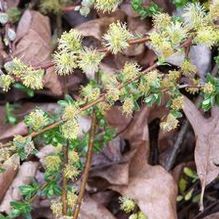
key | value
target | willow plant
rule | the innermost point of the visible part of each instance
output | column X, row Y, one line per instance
column 131, row 84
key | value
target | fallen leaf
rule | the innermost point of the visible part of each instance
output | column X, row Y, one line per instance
column 90, row 209
column 33, row 38
column 10, row 169
column 151, row 187
column 12, row 3
column 19, row 129
column 212, row 216
column 51, row 81
column 207, row 139
column 33, row 46
column 97, row 27
column 25, row 175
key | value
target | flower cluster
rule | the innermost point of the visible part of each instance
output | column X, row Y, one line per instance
column 170, row 80
column 90, row 61
column 24, row 146
column 71, row 55
column 117, row 37
column 208, row 88
column 27, row 75
column 70, row 112
column 130, row 70
column 52, row 163
column 170, row 123
column 70, row 129
column 139, row 215
column 127, row 204
column 107, row 5
column 198, row 25
column 70, row 171
column 56, row 207
column 90, row 92
column 36, row 119
column 6, row 81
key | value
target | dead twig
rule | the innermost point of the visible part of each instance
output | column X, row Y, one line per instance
column 87, row 166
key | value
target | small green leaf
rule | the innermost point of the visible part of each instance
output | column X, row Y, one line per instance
column 182, row 185
column 189, row 172
column 29, row 190
column 188, row 195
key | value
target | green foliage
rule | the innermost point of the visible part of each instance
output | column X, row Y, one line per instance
column 144, row 12
column 52, row 189
column 29, row 190
column 186, row 188
column 24, row 146
column 14, row 14
column 20, row 209
column 210, row 93
column 9, row 110
column 21, row 87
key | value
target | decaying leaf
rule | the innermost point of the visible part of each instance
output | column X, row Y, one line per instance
column 207, row 140
column 151, row 187
column 92, row 210
column 33, row 46
column 25, row 176
column 10, row 167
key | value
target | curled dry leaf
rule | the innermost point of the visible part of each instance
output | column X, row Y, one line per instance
column 207, row 140
column 10, row 169
column 25, row 175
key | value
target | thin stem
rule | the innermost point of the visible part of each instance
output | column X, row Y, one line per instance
column 65, row 181
column 59, row 24
column 87, row 166
column 102, row 49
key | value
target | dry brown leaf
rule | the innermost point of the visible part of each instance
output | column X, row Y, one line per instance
column 152, row 187
column 19, row 129
column 90, row 209
column 51, row 81
column 33, row 38
column 10, row 169
column 25, row 175
column 207, row 140
column 97, row 27
column 12, row 3
column 33, row 46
